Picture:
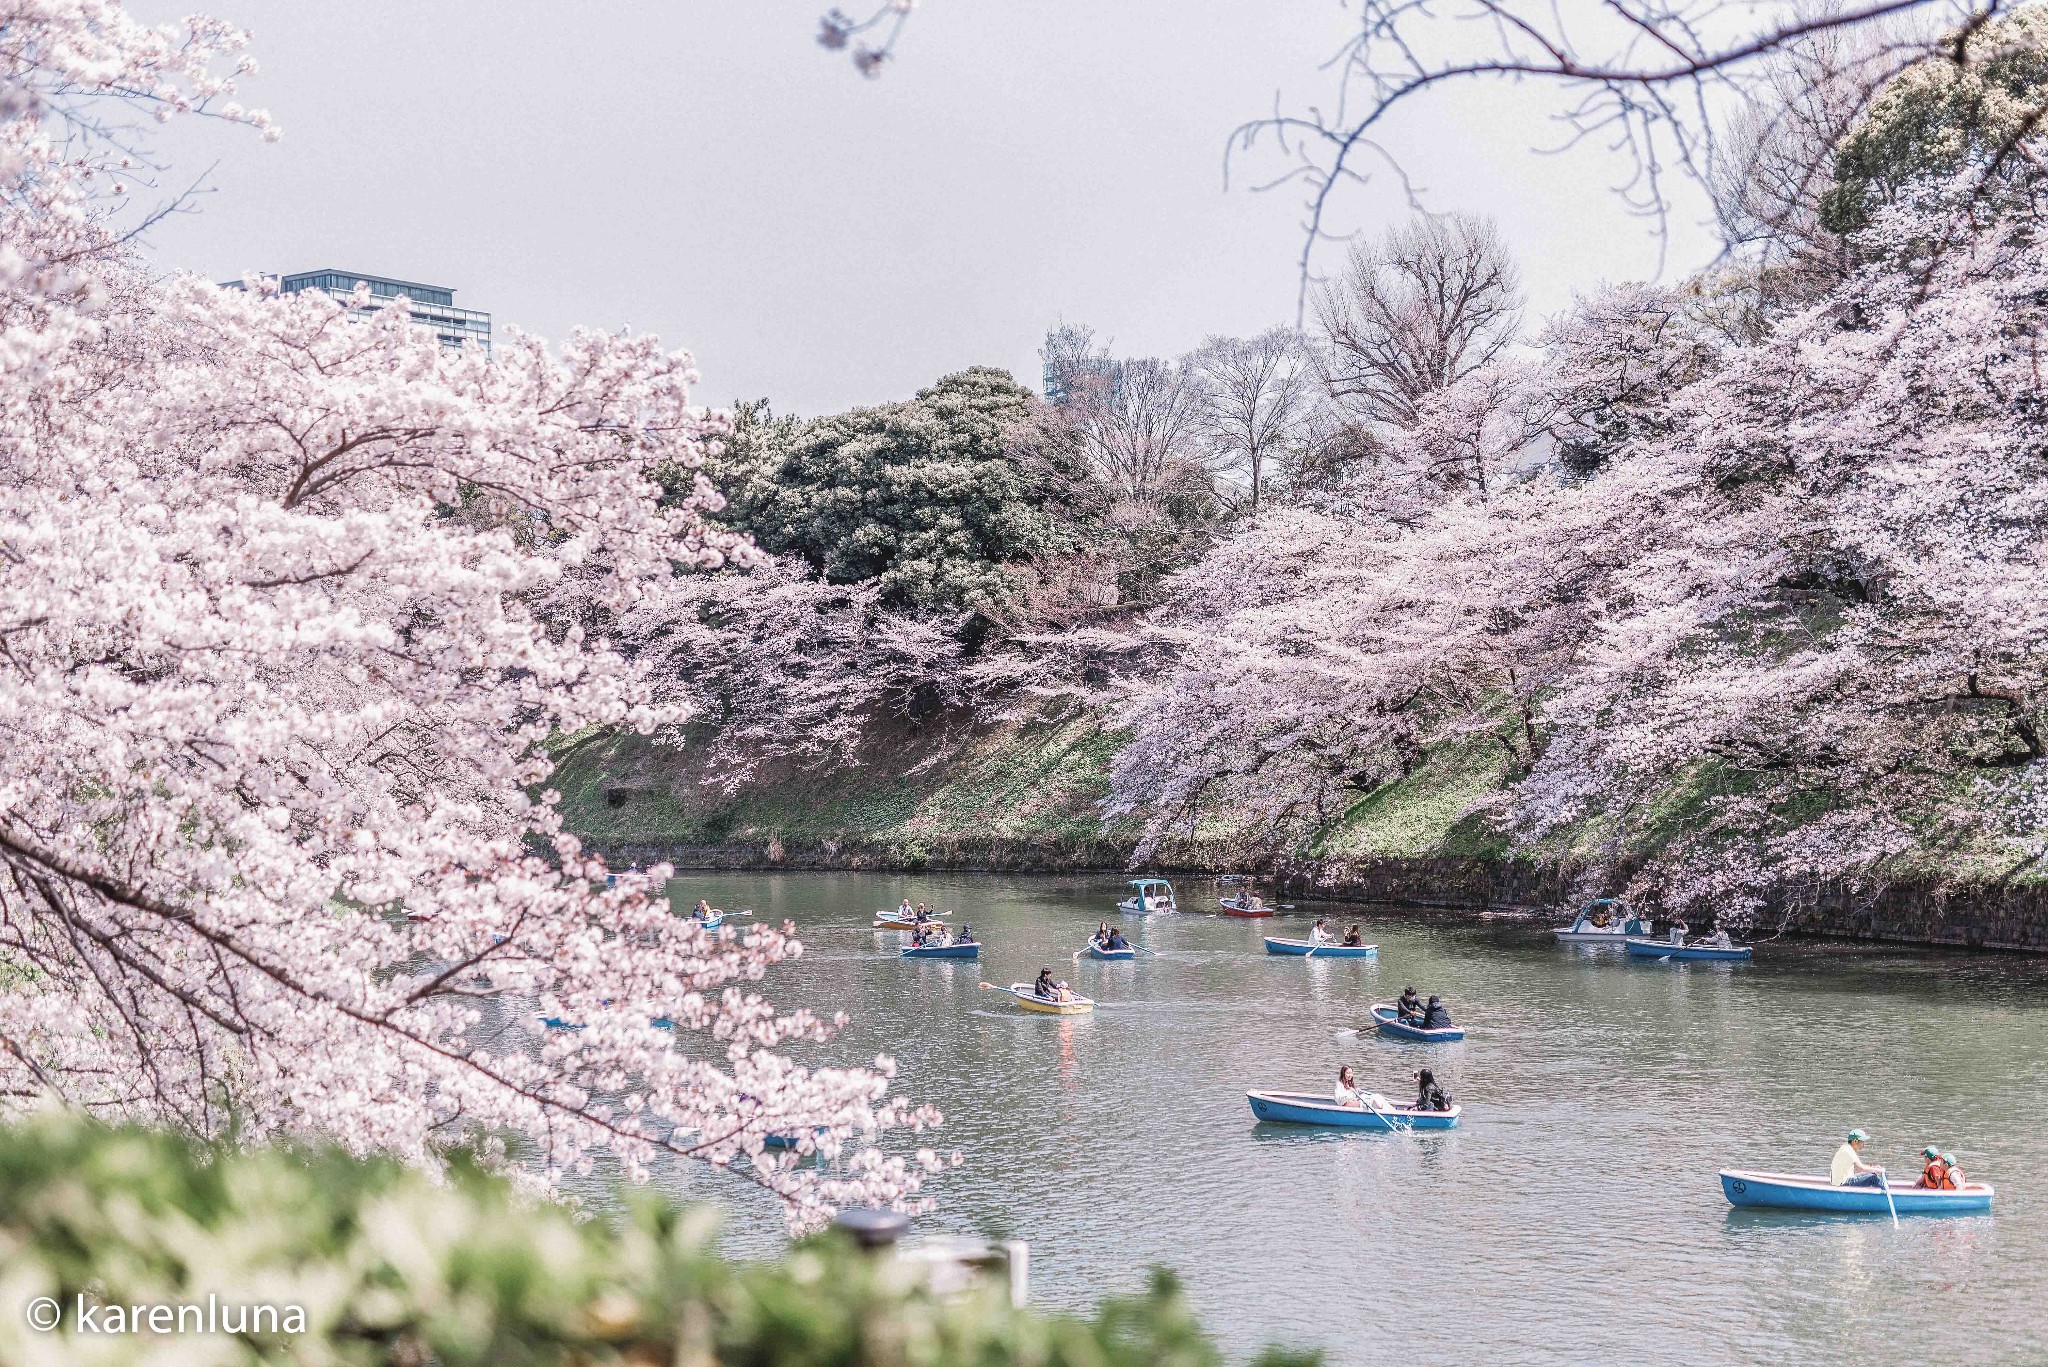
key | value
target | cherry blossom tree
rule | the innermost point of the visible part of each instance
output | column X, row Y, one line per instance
column 1824, row 656
column 778, row 666
column 1786, row 633
column 279, row 855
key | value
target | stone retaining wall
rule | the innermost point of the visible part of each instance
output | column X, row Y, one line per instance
column 1975, row 917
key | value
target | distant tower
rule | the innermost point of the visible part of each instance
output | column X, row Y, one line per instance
column 432, row 305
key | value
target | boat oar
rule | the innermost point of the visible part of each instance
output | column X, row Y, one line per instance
column 1886, row 1182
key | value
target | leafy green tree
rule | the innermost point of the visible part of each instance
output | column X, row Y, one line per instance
column 1972, row 109
column 927, row 498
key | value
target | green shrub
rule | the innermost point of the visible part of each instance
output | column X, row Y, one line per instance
column 389, row 1266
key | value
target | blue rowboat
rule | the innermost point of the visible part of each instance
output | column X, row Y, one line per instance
column 1390, row 1023
column 557, row 1023
column 1304, row 948
column 970, row 950
column 786, row 1141
column 1318, row 1108
column 1790, row 1191
column 714, row 920
column 1664, row 949
column 1095, row 951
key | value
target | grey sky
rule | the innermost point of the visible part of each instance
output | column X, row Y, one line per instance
column 702, row 170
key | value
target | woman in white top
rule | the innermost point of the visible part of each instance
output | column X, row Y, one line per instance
column 1319, row 933
column 1347, row 1091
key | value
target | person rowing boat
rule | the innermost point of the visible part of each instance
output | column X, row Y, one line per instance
column 1319, row 933
column 1347, row 1095
column 1848, row 1168
column 1408, row 1009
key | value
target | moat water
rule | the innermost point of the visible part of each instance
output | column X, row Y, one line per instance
column 1574, row 1217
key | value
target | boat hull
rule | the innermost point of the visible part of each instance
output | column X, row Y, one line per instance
column 1039, row 1006
column 1098, row 952
column 1243, row 912
column 891, row 923
column 1792, row 1191
column 1153, row 907
column 1305, row 1108
column 1590, row 937
column 1304, row 948
column 1664, row 949
column 972, row 951
column 1390, row 1023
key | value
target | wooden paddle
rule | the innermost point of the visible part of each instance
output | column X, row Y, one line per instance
column 1886, row 1182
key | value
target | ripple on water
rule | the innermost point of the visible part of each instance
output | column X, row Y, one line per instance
column 1574, row 1217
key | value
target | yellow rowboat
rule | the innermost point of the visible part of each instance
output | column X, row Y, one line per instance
column 1074, row 1005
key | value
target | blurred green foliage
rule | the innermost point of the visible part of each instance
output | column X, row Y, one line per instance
column 391, row 1266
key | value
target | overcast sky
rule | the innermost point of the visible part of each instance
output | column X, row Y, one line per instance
column 702, row 170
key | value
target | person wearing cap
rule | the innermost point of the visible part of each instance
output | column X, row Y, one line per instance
column 1938, row 1174
column 1955, row 1170
column 1849, row 1169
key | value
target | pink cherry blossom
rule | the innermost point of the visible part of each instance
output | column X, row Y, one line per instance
column 275, row 695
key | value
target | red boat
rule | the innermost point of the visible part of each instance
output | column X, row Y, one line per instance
column 1244, row 905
